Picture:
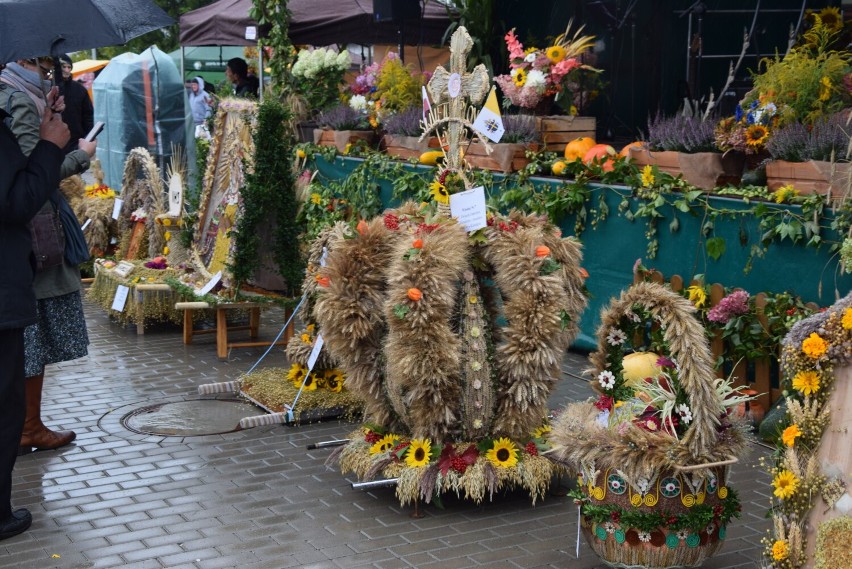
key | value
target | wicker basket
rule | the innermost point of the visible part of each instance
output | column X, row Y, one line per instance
column 670, row 476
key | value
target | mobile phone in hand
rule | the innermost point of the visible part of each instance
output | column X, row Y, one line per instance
column 96, row 130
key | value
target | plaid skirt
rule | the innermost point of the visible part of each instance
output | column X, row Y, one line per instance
column 58, row 336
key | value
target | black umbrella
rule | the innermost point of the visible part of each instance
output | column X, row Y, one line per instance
column 29, row 28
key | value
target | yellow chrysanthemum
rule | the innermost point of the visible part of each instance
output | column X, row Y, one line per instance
column 316, row 198
column 306, row 338
column 786, row 483
column 439, row 192
column 384, row 444
column 334, row 380
column 824, row 89
column 697, row 295
column 846, row 321
column 519, row 76
column 555, row 53
column 806, row 382
column 648, row 176
column 297, row 373
column 541, row 431
column 503, row 454
column 789, row 435
column 814, row 346
column 780, row 550
column 419, row 453
column 785, row 193
column 756, row 135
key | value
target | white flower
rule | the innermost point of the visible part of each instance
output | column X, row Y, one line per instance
column 643, row 484
column 710, row 529
column 536, row 79
column 644, row 536
column 358, row 102
column 682, row 534
column 616, row 337
column 343, row 60
column 606, row 379
column 634, row 317
column 530, row 58
column 514, row 72
column 477, row 423
column 609, row 527
column 684, row 412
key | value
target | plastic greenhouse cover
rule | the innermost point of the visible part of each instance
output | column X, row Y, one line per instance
column 142, row 100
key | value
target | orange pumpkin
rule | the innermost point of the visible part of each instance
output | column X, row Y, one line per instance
column 418, row 244
column 415, row 294
column 577, row 148
column 323, row 281
column 604, row 154
column 542, row 251
column 362, row 227
column 625, row 152
column 584, row 273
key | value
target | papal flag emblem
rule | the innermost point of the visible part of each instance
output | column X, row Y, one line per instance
column 489, row 123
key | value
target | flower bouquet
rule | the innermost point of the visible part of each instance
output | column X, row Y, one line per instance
column 653, row 450
column 540, row 75
column 318, row 75
column 386, row 88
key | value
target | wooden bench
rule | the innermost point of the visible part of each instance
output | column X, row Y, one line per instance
column 222, row 328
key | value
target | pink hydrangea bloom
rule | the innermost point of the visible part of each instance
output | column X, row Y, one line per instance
column 735, row 304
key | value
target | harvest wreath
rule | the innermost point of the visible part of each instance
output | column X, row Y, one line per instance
column 653, row 450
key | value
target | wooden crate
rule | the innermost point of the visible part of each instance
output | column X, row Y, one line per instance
column 340, row 138
column 406, row 147
column 812, row 177
column 557, row 131
column 505, row 157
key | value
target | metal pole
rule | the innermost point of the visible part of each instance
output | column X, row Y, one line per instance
column 260, row 71
column 327, row 444
column 369, row 485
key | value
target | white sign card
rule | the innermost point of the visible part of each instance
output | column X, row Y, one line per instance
column 116, row 207
column 120, row 299
column 312, row 359
column 210, row 284
column 123, row 268
column 251, row 32
column 468, row 208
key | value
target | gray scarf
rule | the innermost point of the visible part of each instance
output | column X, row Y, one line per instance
column 27, row 81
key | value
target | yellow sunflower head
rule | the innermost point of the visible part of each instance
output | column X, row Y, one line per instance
column 555, row 53
column 697, row 295
column 756, row 135
column 384, row 444
column 310, row 382
column 806, row 382
column 419, row 453
column 503, row 454
column 541, row 431
column 830, row 18
column 296, row 373
column 519, row 76
column 334, row 380
column 786, row 483
column 439, row 192
column 785, row 193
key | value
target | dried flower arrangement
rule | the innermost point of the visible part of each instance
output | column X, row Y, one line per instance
column 681, row 133
column 343, row 117
column 519, row 129
column 405, row 123
column 827, row 139
column 813, row 352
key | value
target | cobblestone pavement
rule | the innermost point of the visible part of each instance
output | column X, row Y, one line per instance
column 257, row 498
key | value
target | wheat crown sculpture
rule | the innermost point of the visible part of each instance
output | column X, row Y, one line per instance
column 453, row 339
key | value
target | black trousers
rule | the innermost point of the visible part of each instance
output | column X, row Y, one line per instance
column 12, row 410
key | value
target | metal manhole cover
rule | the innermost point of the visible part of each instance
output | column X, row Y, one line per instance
column 189, row 418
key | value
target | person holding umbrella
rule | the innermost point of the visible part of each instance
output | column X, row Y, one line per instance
column 25, row 184
column 60, row 333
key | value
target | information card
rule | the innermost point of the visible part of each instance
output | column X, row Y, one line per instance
column 116, row 208
column 120, row 299
column 468, row 208
column 210, row 284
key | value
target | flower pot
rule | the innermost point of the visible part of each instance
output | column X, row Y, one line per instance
column 341, row 138
column 672, row 492
column 557, row 131
column 708, row 170
column 406, row 147
column 665, row 160
column 505, row 157
column 812, row 177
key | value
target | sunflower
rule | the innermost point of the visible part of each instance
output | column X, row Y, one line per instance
column 785, row 193
column 384, row 444
column 555, row 53
column 814, row 346
column 831, row 19
column 439, row 192
column 806, row 382
column 519, row 76
column 296, row 374
column 419, row 453
column 756, row 135
column 309, row 383
column 504, row 453
column 786, row 483
column 789, row 435
column 334, row 380
column 541, row 432
column 697, row 295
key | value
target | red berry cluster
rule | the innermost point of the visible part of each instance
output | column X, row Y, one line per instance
column 458, row 464
column 531, row 449
column 717, row 510
column 615, row 516
column 372, row 437
column 442, row 177
column 426, row 228
column 391, row 221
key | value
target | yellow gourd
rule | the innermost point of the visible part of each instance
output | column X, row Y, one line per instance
column 431, row 158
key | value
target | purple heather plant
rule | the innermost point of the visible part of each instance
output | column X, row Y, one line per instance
column 343, row 117
column 519, row 129
column 682, row 134
column 735, row 304
column 797, row 143
column 405, row 123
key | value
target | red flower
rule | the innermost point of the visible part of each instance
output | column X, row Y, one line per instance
column 604, row 402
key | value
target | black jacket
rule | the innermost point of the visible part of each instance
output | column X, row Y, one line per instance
column 25, row 185
column 79, row 114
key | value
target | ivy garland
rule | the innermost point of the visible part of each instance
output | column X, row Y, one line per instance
column 269, row 194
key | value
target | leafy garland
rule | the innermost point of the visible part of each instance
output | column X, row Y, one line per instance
column 812, row 351
column 274, row 15
column 269, row 194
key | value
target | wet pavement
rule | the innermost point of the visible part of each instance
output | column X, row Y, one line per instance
column 256, row 498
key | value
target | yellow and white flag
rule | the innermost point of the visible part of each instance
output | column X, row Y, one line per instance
column 488, row 122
